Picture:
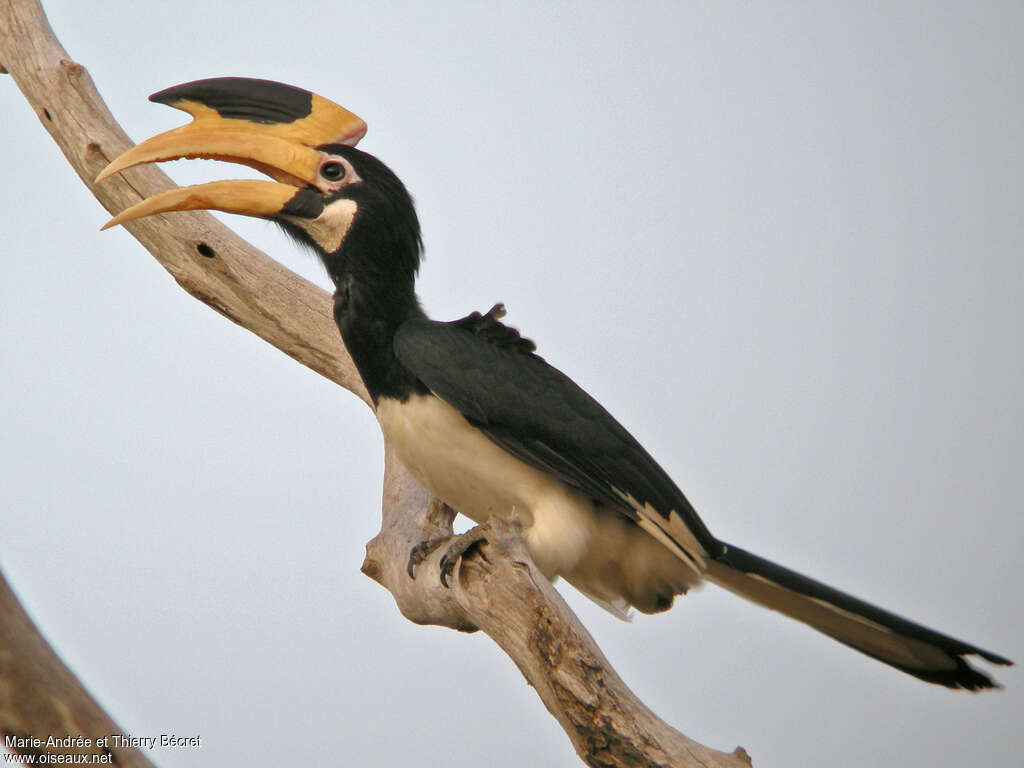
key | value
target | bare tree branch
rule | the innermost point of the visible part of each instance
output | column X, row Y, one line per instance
column 41, row 697
column 500, row 593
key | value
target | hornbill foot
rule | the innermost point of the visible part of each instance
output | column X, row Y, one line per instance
column 460, row 546
column 421, row 552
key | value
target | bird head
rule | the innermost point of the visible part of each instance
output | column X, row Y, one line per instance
column 344, row 203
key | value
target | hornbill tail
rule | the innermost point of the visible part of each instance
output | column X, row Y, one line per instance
column 891, row 639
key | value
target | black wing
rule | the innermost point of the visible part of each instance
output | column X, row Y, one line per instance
column 535, row 412
column 490, row 374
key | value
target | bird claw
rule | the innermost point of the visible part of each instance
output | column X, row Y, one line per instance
column 460, row 546
column 421, row 552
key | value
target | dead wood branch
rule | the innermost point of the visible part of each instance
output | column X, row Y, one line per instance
column 502, row 595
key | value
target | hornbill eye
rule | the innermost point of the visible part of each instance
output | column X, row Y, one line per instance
column 332, row 171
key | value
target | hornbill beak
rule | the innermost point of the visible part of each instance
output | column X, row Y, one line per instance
column 272, row 127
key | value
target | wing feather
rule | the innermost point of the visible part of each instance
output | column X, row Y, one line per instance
column 493, row 377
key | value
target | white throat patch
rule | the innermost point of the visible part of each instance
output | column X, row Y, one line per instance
column 328, row 229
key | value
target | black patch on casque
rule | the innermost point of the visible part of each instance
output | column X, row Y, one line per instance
column 243, row 98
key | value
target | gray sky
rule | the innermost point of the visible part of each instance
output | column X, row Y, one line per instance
column 783, row 245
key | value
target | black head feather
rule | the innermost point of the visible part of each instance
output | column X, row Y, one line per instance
column 383, row 241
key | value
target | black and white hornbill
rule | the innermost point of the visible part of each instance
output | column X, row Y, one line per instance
column 475, row 414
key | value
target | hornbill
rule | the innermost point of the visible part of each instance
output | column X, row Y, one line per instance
column 481, row 420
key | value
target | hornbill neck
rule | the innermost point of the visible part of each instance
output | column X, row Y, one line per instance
column 374, row 274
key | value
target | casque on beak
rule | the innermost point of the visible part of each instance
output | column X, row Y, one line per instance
column 272, row 127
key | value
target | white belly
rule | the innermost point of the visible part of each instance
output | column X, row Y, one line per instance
column 460, row 465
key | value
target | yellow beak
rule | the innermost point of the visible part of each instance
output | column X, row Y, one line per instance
column 268, row 126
